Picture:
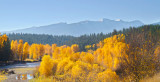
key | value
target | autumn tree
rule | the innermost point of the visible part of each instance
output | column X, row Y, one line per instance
column 48, row 49
column 25, row 50
column 33, row 51
column 46, row 66
column 5, row 48
column 75, row 47
column 20, row 49
column 41, row 50
column 108, row 76
column 54, row 47
column 14, row 47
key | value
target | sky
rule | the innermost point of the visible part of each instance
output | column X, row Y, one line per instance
column 19, row 14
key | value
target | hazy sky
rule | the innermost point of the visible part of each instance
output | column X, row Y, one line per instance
column 18, row 14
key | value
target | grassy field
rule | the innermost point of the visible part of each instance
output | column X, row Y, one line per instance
column 155, row 78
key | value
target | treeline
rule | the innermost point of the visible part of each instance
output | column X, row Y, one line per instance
column 84, row 40
column 22, row 50
column 5, row 51
column 40, row 38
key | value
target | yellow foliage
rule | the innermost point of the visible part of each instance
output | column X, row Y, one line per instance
column 48, row 49
column 68, row 66
column 75, row 47
column 65, row 63
column 25, row 50
column 88, row 47
column 75, row 56
column 54, row 47
column 88, row 66
column 41, row 50
column 54, row 68
column 3, row 38
column 77, row 72
column 55, row 54
column 89, row 58
column 157, row 51
column 14, row 47
column 113, row 52
column 46, row 66
column 108, row 76
column 33, row 51
column 61, row 65
column 20, row 49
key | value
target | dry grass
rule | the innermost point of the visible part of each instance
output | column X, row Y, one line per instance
column 30, row 60
column 155, row 78
column 42, row 79
column 23, row 70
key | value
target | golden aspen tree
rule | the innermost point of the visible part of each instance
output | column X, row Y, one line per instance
column 77, row 72
column 61, row 65
column 25, row 50
column 35, row 51
column 41, row 51
column 69, row 51
column 75, row 56
column 46, row 66
column 56, row 53
column 75, row 47
column 69, row 66
column 31, row 51
column 89, row 58
column 100, row 44
column 113, row 52
column 15, row 48
column 20, row 49
column 48, row 49
column 5, row 37
column 54, row 47
column 98, row 65
column 108, row 76
column 12, row 48
column 12, row 44
column 54, row 67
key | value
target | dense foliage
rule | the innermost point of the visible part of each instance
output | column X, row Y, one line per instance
column 5, row 51
column 129, row 55
column 40, row 38
column 113, row 60
column 99, row 65
column 84, row 40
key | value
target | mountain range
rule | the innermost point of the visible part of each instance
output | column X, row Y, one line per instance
column 80, row 28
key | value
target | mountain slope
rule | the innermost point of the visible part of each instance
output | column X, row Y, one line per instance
column 80, row 28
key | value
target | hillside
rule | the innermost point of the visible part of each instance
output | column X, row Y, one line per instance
column 84, row 40
column 80, row 28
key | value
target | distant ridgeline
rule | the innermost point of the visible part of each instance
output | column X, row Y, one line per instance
column 151, row 32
